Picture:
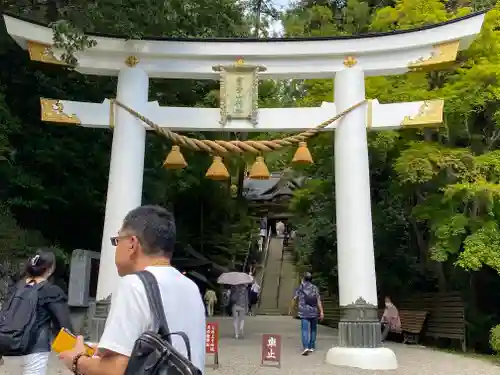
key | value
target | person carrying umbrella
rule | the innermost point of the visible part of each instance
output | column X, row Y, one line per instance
column 239, row 298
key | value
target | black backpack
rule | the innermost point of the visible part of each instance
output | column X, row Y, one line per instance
column 153, row 353
column 310, row 297
column 18, row 319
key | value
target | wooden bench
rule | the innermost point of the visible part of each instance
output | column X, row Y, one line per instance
column 412, row 324
column 446, row 315
column 412, row 321
column 444, row 312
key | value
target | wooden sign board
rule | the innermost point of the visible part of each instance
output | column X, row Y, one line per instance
column 271, row 350
column 212, row 342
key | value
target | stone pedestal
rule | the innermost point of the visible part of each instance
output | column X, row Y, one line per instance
column 359, row 326
column 360, row 340
column 96, row 319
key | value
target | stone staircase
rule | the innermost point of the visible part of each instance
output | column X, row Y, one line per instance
column 269, row 292
column 279, row 281
column 288, row 281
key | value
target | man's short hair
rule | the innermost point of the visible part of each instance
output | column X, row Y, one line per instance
column 155, row 228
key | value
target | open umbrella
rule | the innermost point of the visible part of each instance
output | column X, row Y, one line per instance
column 235, row 278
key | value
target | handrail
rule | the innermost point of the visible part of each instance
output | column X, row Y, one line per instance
column 279, row 275
column 264, row 263
column 245, row 263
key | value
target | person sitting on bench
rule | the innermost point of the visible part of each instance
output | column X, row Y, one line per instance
column 390, row 320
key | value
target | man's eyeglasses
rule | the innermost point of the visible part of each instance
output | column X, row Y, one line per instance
column 114, row 240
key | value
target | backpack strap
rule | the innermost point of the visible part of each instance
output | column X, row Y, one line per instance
column 156, row 305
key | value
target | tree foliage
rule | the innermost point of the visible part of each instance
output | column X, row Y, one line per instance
column 56, row 176
column 435, row 193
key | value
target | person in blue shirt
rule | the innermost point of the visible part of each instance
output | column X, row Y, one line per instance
column 310, row 309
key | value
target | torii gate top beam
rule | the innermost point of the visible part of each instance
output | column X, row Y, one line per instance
column 301, row 58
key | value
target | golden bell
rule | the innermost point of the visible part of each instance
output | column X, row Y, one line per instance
column 259, row 170
column 217, row 171
column 174, row 159
column 302, row 155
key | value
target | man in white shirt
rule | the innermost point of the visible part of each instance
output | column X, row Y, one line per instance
column 145, row 241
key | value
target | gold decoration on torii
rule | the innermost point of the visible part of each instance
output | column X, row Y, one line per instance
column 43, row 53
column 442, row 56
column 53, row 111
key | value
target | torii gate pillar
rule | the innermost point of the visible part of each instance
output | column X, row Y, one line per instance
column 125, row 171
column 359, row 326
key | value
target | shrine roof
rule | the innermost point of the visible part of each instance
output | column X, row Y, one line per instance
column 383, row 53
column 268, row 189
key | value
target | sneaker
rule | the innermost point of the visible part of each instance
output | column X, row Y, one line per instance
column 311, row 350
column 305, row 352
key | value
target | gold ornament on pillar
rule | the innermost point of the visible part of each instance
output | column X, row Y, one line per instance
column 259, row 169
column 217, row 171
column 131, row 61
column 302, row 155
column 174, row 159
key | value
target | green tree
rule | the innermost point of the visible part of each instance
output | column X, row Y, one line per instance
column 56, row 176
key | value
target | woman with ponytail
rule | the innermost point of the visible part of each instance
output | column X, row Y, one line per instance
column 51, row 307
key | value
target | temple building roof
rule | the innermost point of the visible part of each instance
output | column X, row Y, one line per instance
column 275, row 186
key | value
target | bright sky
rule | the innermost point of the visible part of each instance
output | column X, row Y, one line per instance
column 281, row 3
column 277, row 26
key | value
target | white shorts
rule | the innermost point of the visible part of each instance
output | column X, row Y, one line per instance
column 263, row 232
column 36, row 364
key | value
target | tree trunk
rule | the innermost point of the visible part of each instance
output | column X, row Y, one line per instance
column 425, row 261
column 421, row 244
column 441, row 277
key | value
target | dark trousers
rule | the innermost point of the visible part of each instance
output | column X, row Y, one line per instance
column 309, row 329
column 386, row 328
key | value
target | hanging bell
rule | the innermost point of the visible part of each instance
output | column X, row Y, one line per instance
column 217, row 171
column 259, row 169
column 302, row 155
column 174, row 159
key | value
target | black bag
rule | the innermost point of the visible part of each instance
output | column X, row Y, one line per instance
column 310, row 297
column 18, row 319
column 153, row 353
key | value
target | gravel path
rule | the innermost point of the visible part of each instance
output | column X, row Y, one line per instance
column 242, row 357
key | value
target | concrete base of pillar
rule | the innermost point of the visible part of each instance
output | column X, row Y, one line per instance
column 96, row 318
column 363, row 358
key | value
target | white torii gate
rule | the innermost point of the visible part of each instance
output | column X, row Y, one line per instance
column 347, row 59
